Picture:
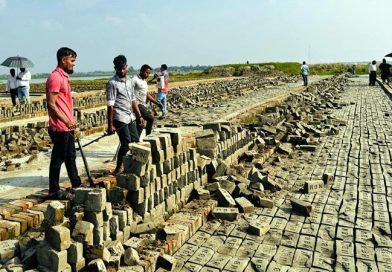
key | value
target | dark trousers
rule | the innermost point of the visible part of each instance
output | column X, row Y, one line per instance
column 127, row 133
column 14, row 95
column 372, row 78
column 305, row 78
column 63, row 151
column 148, row 118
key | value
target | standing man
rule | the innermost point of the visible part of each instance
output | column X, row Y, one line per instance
column 122, row 108
column 372, row 73
column 162, row 92
column 62, row 123
column 12, row 86
column 385, row 72
column 305, row 73
column 24, row 78
column 140, row 87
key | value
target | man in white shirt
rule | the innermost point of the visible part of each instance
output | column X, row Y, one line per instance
column 140, row 87
column 12, row 86
column 24, row 78
column 305, row 73
column 372, row 73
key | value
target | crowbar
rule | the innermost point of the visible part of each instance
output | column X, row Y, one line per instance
column 93, row 141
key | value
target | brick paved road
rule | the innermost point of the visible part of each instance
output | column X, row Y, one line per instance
column 349, row 229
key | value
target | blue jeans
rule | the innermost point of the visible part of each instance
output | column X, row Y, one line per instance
column 305, row 78
column 23, row 91
column 161, row 97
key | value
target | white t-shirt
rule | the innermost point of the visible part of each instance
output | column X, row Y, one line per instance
column 140, row 88
column 304, row 69
column 372, row 68
column 25, row 79
column 12, row 83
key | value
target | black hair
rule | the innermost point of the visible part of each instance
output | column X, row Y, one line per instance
column 374, row 62
column 304, row 62
column 65, row 52
column 120, row 61
column 145, row 67
column 12, row 71
column 164, row 66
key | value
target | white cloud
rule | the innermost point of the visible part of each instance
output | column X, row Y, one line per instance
column 51, row 25
column 3, row 4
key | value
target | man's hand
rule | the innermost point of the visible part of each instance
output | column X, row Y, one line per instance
column 140, row 121
column 71, row 125
column 111, row 130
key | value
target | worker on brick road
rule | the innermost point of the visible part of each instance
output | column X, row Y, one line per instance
column 62, row 123
column 140, row 87
column 122, row 109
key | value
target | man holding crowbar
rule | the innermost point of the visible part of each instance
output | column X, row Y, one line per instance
column 62, row 123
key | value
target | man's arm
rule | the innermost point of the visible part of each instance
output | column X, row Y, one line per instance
column 7, row 86
column 138, row 114
column 111, row 129
column 54, row 110
column 111, row 99
column 153, row 100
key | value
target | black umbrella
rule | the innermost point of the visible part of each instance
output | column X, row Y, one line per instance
column 19, row 62
column 389, row 55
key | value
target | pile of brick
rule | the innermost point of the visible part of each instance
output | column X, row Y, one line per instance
column 40, row 108
column 211, row 94
column 160, row 173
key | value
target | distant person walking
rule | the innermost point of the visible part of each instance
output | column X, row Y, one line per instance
column 140, row 87
column 163, row 88
column 12, row 86
column 305, row 73
column 385, row 71
column 122, row 107
column 62, row 123
column 372, row 73
column 354, row 70
column 24, row 78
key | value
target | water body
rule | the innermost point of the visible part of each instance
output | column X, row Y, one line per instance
column 43, row 80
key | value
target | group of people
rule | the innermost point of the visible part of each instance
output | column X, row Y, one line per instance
column 19, row 86
column 127, row 111
column 384, row 69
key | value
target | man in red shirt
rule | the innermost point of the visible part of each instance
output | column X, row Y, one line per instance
column 62, row 122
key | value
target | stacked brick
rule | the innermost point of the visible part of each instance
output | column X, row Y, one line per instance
column 160, row 173
column 34, row 137
column 39, row 108
column 222, row 140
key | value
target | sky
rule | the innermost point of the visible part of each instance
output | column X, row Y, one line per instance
column 202, row 32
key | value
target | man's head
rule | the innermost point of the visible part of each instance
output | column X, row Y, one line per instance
column 384, row 60
column 304, row 62
column 12, row 72
column 374, row 62
column 22, row 69
column 163, row 67
column 145, row 71
column 120, row 65
column 66, row 59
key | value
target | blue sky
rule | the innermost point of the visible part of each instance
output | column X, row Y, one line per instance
column 204, row 32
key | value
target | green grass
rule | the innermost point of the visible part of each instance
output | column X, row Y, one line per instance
column 285, row 67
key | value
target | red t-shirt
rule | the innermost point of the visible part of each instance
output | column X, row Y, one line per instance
column 58, row 82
